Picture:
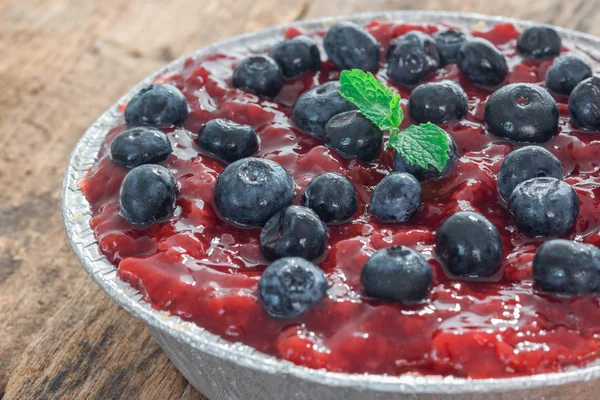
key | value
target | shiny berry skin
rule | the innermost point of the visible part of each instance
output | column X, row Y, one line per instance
column 259, row 75
column 352, row 135
column 424, row 174
column 482, row 63
column 295, row 231
column 147, row 194
column 437, row 102
column 448, row 42
column 158, row 104
column 251, row 190
column 526, row 163
column 523, row 112
column 349, row 46
column 291, row 286
column 397, row 273
column 539, row 42
column 567, row 268
column 296, row 56
column 469, row 245
column 315, row 107
column 584, row 104
column 544, row 207
column 566, row 73
column 227, row 140
column 411, row 58
column 396, row 198
column 332, row 196
column 141, row 145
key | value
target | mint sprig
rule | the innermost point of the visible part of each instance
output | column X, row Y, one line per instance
column 374, row 100
column 422, row 145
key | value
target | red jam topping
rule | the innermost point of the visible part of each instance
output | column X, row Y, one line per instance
column 206, row 271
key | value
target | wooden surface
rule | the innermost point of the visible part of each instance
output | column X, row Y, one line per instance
column 62, row 63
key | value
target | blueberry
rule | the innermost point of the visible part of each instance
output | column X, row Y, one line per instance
column 424, row 174
column 352, row 135
column 332, row 196
column 482, row 63
column 142, row 145
column 147, row 194
column 526, row 163
column 544, row 207
column 539, row 42
column 469, row 245
column 259, row 75
column 396, row 198
column 290, row 286
column 566, row 73
column 437, row 102
column 296, row 56
column 523, row 112
column 159, row 104
column 315, row 107
column 295, row 231
column 448, row 42
column 584, row 104
column 411, row 58
column 349, row 46
column 252, row 190
column 228, row 140
column 397, row 273
column 567, row 268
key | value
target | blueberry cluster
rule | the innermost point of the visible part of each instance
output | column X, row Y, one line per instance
column 256, row 192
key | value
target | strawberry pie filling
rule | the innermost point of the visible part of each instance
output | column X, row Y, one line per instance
column 196, row 266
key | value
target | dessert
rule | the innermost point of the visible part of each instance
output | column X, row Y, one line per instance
column 195, row 254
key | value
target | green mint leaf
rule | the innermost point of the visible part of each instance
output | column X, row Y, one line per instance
column 374, row 100
column 422, row 145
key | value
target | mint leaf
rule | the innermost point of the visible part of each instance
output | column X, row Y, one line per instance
column 422, row 145
column 374, row 100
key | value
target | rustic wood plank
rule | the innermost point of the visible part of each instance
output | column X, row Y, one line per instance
column 63, row 63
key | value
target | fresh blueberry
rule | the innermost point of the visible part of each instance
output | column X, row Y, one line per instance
column 228, row 140
column 259, row 75
column 396, row 198
column 332, row 196
column 526, row 163
column 584, row 104
column 159, row 104
column 295, row 231
column 141, row 145
column 424, row 174
column 147, row 194
column 481, row 62
column 566, row 73
column 290, row 286
column 252, row 190
column 567, row 268
column 315, row 107
column 296, row 56
column 523, row 112
column 437, row 102
column 448, row 42
column 397, row 273
column 539, row 42
column 411, row 58
column 349, row 46
column 351, row 135
column 469, row 245
column 544, row 207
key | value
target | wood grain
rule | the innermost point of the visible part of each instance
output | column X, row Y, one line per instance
column 63, row 63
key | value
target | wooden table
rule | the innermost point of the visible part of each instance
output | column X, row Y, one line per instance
column 62, row 63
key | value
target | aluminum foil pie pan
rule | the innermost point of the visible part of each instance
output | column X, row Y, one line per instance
column 228, row 371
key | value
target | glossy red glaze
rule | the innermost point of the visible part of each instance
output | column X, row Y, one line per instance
column 206, row 271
